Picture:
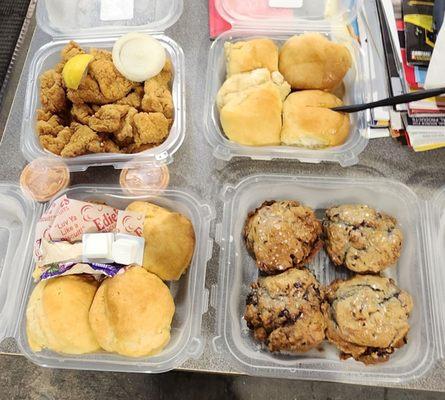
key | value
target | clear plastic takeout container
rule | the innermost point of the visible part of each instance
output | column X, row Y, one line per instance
column 18, row 217
column 436, row 247
column 279, row 20
column 419, row 271
column 99, row 23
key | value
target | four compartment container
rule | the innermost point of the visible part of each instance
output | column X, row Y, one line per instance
column 93, row 24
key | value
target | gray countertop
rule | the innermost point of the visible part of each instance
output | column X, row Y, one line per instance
column 195, row 168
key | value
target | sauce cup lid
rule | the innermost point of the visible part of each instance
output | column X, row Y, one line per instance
column 135, row 179
column 43, row 178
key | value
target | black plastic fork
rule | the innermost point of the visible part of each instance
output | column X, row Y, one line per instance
column 392, row 101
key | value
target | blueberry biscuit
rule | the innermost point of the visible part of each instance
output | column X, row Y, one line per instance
column 284, row 311
column 367, row 317
column 361, row 239
column 282, row 235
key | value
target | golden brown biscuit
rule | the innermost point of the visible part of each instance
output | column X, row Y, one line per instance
column 311, row 61
column 362, row 239
column 253, row 118
column 169, row 241
column 308, row 121
column 57, row 315
column 233, row 88
column 250, row 55
column 284, row 311
column 367, row 317
column 250, row 106
column 131, row 313
column 282, row 235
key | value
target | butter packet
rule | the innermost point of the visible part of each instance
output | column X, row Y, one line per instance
column 68, row 219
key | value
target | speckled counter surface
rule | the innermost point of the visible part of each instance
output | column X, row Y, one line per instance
column 195, row 168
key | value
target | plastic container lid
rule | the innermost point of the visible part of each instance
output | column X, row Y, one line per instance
column 286, row 13
column 76, row 18
column 17, row 214
column 436, row 258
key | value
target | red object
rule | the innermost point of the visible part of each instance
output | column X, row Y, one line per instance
column 410, row 75
column 217, row 24
column 251, row 9
column 258, row 10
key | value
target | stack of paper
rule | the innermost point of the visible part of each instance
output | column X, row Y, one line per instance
column 420, row 124
column 372, row 45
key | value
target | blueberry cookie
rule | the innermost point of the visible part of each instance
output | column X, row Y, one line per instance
column 361, row 239
column 282, row 235
column 284, row 311
column 367, row 317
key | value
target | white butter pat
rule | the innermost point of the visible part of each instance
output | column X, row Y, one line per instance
column 124, row 251
column 128, row 249
column 97, row 246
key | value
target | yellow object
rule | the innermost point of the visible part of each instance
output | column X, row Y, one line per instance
column 428, row 147
column 309, row 122
column 421, row 3
column 424, row 21
column 169, row 241
column 312, row 61
column 251, row 55
column 132, row 313
column 75, row 69
column 57, row 315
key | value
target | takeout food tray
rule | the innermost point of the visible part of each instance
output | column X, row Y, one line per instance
column 18, row 217
column 418, row 271
column 88, row 25
column 251, row 21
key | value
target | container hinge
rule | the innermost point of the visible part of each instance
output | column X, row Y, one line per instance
column 227, row 193
column 214, row 296
column 218, row 233
column 164, row 156
column 222, row 153
column 209, row 250
column 195, row 348
column 261, row 158
column 256, row 26
column 117, row 33
column 205, row 301
column 217, row 344
column 310, row 160
column 348, row 160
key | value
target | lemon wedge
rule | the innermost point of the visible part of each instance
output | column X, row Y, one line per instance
column 138, row 56
column 75, row 70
